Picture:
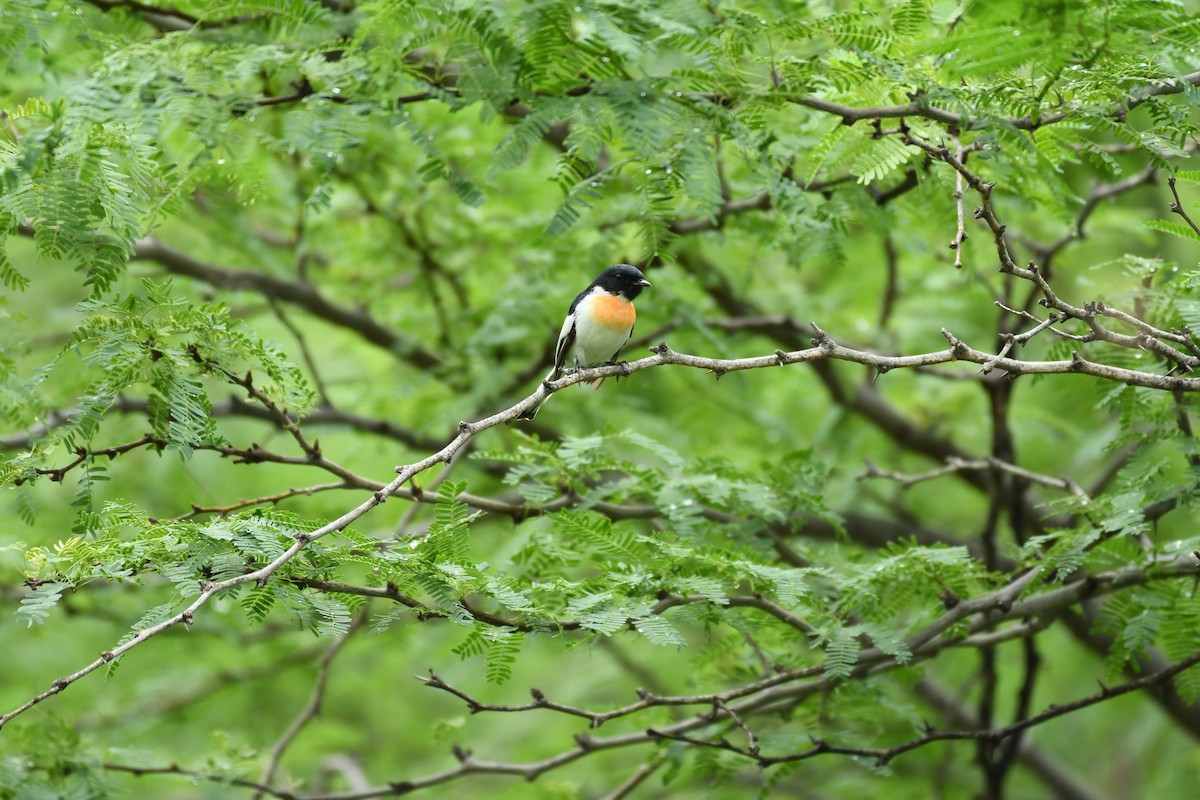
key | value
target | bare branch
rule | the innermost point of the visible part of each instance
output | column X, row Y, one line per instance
column 789, row 687
column 236, row 407
column 919, row 108
column 1150, row 338
column 1177, row 206
column 289, row 291
column 635, row 780
column 825, row 348
column 313, row 707
column 986, row 463
column 1053, row 773
column 960, row 234
column 270, row 499
column 167, row 19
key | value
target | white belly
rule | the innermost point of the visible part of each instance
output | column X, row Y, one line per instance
column 594, row 344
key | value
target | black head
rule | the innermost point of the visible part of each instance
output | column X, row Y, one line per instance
column 623, row 279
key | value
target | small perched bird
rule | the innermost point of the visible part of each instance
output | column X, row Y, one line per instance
column 599, row 323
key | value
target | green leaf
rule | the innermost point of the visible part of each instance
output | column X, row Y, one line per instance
column 1173, row 228
column 37, row 603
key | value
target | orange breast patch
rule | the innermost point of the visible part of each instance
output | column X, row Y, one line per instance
column 613, row 311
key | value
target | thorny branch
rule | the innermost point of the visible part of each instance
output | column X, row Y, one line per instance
column 1186, row 352
column 996, row 735
column 987, row 463
column 313, row 707
column 776, row 692
column 726, row 709
column 825, row 348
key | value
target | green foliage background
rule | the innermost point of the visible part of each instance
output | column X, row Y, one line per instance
column 263, row 246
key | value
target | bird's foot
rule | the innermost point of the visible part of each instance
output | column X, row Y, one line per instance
column 625, row 369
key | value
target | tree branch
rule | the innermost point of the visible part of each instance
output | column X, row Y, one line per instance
column 313, row 707
column 825, row 348
column 301, row 294
column 919, row 108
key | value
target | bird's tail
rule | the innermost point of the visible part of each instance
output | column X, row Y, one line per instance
column 531, row 413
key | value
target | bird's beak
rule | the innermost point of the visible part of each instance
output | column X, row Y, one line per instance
column 643, row 282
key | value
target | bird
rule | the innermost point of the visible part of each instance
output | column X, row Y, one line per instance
column 598, row 324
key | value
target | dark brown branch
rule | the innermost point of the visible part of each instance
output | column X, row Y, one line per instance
column 1177, row 206
column 994, row 735
column 1148, row 338
column 919, row 108
column 766, row 694
column 1053, row 773
column 236, row 407
column 1082, row 624
column 758, row 202
column 301, row 294
column 825, row 348
column 987, row 463
column 270, row 499
column 175, row 769
column 166, row 19
column 988, row 612
column 198, row 690
column 313, row 707
column 1045, row 252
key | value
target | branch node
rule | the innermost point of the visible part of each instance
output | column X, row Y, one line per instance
column 781, row 358
column 466, row 427
column 381, row 497
column 960, row 349
column 661, row 349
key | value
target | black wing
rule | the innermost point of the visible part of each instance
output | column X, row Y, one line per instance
column 565, row 339
column 617, row 354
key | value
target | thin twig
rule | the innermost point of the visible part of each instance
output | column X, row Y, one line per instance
column 1177, row 206
column 313, row 707
column 986, row 463
column 635, row 780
